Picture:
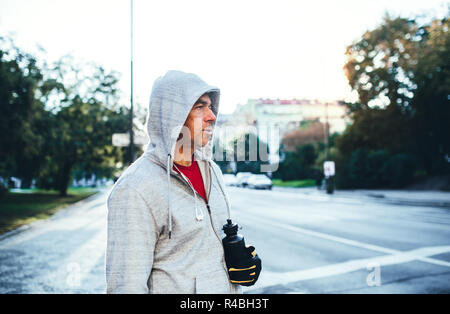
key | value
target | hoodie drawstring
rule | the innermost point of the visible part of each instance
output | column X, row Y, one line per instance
column 168, row 195
column 198, row 211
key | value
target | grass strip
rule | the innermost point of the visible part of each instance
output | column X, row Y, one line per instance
column 21, row 208
column 294, row 183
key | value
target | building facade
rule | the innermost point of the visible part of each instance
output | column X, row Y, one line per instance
column 273, row 118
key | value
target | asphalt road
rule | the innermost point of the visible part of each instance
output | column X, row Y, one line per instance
column 309, row 243
column 332, row 244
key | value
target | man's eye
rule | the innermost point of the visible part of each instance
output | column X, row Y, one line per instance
column 201, row 107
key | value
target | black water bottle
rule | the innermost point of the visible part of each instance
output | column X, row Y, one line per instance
column 233, row 244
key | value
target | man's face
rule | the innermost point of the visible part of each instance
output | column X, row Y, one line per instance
column 200, row 120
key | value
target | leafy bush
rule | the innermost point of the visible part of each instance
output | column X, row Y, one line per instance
column 3, row 191
column 376, row 169
column 298, row 165
column 399, row 170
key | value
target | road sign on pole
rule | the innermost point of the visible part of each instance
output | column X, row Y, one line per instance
column 329, row 168
column 329, row 171
column 123, row 139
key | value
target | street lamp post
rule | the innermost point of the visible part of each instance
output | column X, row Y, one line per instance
column 131, row 97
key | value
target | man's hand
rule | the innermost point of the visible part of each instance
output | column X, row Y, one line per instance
column 247, row 270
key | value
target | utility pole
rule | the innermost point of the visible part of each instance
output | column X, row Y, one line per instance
column 131, row 98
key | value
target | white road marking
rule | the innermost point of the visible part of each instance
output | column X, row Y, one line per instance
column 302, row 196
column 344, row 240
column 268, row 278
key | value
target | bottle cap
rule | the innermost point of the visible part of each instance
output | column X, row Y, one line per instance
column 230, row 228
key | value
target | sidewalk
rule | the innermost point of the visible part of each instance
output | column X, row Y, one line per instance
column 400, row 197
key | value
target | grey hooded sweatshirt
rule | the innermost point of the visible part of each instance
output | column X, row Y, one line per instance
column 162, row 236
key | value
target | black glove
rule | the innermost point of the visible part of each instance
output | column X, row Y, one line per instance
column 245, row 271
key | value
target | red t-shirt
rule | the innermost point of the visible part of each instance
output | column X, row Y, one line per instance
column 194, row 175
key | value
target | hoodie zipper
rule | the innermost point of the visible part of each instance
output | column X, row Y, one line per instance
column 210, row 218
column 224, row 264
column 207, row 203
column 209, row 208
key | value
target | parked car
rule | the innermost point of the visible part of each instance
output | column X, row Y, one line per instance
column 230, row 179
column 242, row 178
column 259, row 181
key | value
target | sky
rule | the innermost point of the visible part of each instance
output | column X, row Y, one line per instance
column 249, row 49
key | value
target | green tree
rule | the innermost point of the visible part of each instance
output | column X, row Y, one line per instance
column 379, row 69
column 57, row 122
column 430, row 104
column 82, row 126
column 379, row 65
column 400, row 71
column 20, row 113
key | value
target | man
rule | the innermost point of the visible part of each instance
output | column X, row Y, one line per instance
column 166, row 212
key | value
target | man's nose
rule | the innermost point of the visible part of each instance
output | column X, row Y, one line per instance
column 210, row 116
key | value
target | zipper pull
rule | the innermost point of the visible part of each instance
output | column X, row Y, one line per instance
column 209, row 209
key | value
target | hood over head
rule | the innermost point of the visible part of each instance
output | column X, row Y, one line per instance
column 172, row 98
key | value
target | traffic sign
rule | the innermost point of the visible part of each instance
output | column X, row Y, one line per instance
column 329, row 168
column 123, row 139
